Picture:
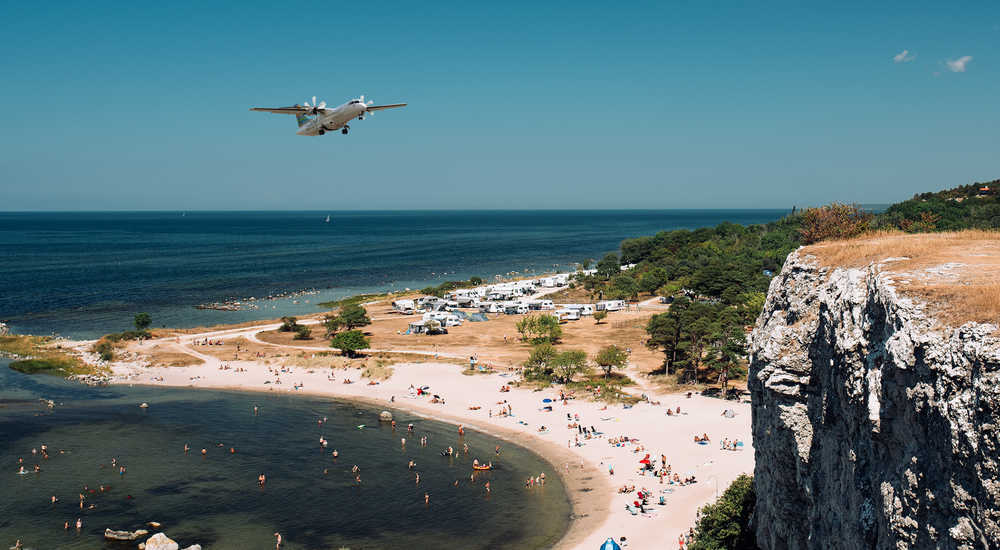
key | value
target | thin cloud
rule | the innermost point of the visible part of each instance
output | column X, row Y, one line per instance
column 958, row 66
column 904, row 57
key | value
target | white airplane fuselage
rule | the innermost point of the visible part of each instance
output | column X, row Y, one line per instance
column 334, row 120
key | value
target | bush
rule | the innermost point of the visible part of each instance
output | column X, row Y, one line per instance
column 289, row 324
column 350, row 341
column 304, row 333
column 128, row 335
column 106, row 351
column 835, row 221
column 725, row 524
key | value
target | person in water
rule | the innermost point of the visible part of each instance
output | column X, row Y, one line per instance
column 279, row 540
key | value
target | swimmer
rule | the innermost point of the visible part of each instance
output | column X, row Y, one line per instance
column 79, row 524
column 418, row 479
column 358, row 479
column 466, row 449
column 261, row 478
column 54, row 499
column 185, row 451
column 487, row 486
column 404, row 441
column 66, row 526
column 279, row 540
column 427, row 498
column 335, row 454
column 232, row 450
column 204, row 451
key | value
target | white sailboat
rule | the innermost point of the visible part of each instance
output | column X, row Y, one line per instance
column 328, row 217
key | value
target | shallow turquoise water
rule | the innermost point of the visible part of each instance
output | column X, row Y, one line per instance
column 215, row 500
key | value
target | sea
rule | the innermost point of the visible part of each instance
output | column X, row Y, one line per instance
column 84, row 274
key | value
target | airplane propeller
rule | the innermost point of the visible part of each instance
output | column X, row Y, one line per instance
column 366, row 112
column 315, row 107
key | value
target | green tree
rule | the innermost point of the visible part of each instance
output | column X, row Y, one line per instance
column 303, row 333
column 142, row 321
column 354, row 316
column 665, row 333
column 623, row 287
column 289, row 324
column 350, row 341
column 725, row 524
column 536, row 328
column 539, row 362
column 608, row 266
column 332, row 323
column 611, row 358
column 586, row 265
column 653, row 280
column 476, row 281
column 569, row 363
column 600, row 315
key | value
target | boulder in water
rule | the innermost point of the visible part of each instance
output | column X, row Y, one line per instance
column 124, row 535
column 386, row 416
column 160, row 541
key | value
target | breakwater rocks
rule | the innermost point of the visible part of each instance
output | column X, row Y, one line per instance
column 237, row 304
column 873, row 426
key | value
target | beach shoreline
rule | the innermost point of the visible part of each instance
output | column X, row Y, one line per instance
column 598, row 509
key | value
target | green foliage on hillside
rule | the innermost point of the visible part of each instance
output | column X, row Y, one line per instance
column 725, row 524
column 963, row 207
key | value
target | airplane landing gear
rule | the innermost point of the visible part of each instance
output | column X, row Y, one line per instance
column 321, row 132
column 344, row 131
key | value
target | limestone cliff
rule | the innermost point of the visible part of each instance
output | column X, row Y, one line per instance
column 874, row 424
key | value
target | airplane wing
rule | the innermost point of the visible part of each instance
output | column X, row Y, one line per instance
column 296, row 110
column 383, row 107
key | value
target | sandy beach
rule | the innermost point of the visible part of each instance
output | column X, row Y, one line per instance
column 475, row 401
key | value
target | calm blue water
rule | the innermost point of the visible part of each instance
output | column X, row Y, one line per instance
column 87, row 274
column 309, row 497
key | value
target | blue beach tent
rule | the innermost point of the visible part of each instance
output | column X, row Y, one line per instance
column 610, row 544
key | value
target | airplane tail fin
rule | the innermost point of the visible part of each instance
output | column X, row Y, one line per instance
column 301, row 119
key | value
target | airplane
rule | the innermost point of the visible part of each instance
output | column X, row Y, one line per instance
column 328, row 120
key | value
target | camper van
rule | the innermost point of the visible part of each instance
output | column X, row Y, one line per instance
column 567, row 314
column 490, row 307
column 610, row 305
column 515, row 308
column 584, row 309
column 540, row 305
column 445, row 318
column 403, row 306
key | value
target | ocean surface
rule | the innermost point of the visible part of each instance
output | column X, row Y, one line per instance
column 215, row 500
column 82, row 275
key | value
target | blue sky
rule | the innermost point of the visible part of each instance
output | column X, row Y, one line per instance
column 144, row 106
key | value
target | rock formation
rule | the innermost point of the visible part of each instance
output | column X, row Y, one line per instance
column 874, row 424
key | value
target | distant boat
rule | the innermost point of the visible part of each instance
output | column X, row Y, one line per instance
column 184, row 214
column 327, row 218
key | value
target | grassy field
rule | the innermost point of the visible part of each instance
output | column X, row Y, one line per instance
column 46, row 356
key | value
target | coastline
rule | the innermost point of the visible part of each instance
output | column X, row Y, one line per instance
column 598, row 509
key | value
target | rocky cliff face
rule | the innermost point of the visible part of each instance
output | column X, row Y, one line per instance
column 872, row 428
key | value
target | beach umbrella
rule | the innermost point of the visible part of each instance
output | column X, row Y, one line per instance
column 645, row 460
column 610, row 544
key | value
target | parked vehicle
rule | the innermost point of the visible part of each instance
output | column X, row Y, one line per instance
column 610, row 305
column 490, row 307
column 540, row 305
column 584, row 309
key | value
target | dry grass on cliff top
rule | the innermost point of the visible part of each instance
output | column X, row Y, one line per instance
column 956, row 274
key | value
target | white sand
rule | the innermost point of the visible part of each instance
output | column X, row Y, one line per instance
column 601, row 505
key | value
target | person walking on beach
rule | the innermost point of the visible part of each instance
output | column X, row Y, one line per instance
column 279, row 540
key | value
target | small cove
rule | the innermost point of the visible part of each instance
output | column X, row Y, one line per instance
column 215, row 499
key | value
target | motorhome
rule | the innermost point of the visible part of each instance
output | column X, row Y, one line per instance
column 567, row 314
column 403, row 306
column 540, row 305
column 467, row 301
column 610, row 305
column 515, row 308
column 584, row 309
column 446, row 318
column 426, row 300
column 490, row 307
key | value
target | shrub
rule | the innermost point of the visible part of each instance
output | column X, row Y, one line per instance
column 289, row 324
column 304, row 333
column 725, row 524
column 835, row 221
